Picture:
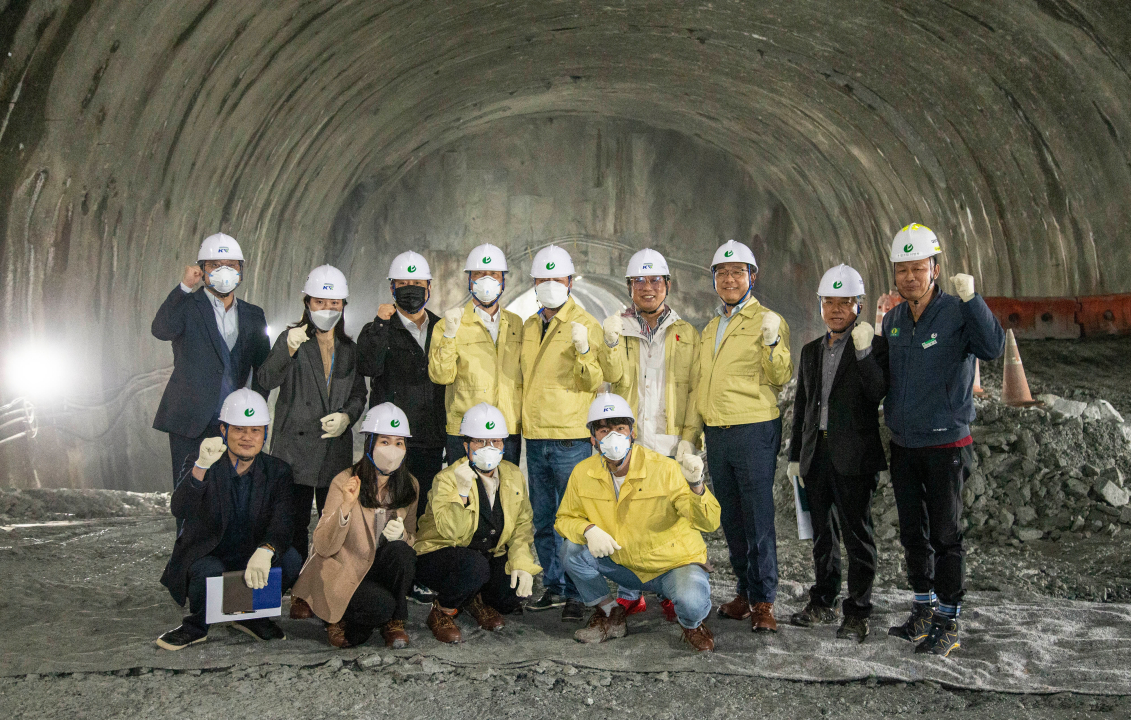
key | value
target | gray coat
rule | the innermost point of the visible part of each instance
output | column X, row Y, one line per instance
column 303, row 402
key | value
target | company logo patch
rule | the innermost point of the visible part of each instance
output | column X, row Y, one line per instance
column 486, row 259
column 223, row 249
column 608, row 408
column 412, row 268
column 327, row 286
column 895, row 332
column 646, row 266
column 551, row 266
column 394, row 423
column 490, row 425
column 838, row 285
column 249, row 412
column 908, row 248
column 728, row 253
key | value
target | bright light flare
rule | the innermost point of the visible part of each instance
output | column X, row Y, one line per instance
column 37, row 371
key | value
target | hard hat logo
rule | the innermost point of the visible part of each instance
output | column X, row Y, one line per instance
column 609, row 408
column 728, row 253
column 327, row 286
column 222, row 249
column 838, row 285
column 490, row 425
column 412, row 268
column 249, row 412
column 646, row 266
column 551, row 266
column 394, row 423
column 908, row 247
column 486, row 259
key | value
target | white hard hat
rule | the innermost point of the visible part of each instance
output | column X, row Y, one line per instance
column 486, row 257
column 245, row 408
column 734, row 251
column 326, row 282
column 386, row 419
column 647, row 263
column 219, row 247
column 841, row 281
column 483, row 422
column 551, row 262
column 409, row 266
column 914, row 242
column 608, row 405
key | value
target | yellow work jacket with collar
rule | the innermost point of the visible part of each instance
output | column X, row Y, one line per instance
column 447, row 522
column 657, row 520
column 621, row 367
column 558, row 383
column 740, row 384
column 477, row 369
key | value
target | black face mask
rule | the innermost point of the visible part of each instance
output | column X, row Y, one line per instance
column 411, row 298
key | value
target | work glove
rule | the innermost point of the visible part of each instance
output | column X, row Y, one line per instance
column 258, row 567
column 613, row 327
column 771, row 328
column 601, row 544
column 523, row 581
column 963, row 286
column 465, row 479
column 683, row 448
column 692, row 467
column 211, row 450
column 452, row 319
column 862, row 336
column 580, row 335
column 335, row 424
column 394, row 529
column 296, row 336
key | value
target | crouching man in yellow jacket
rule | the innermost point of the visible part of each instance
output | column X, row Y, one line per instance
column 635, row 517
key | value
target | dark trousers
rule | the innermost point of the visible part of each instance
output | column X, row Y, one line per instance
column 841, row 506
column 512, row 449
column 381, row 595
column 185, row 450
column 458, row 574
column 741, row 460
column 928, row 496
column 301, row 496
column 424, row 463
column 212, row 566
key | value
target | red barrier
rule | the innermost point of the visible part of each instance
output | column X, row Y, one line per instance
column 1104, row 315
column 1037, row 318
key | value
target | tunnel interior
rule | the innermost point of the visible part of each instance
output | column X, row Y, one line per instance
column 346, row 132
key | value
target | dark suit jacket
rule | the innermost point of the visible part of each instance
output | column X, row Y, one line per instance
column 854, row 426
column 398, row 372
column 193, row 393
column 204, row 508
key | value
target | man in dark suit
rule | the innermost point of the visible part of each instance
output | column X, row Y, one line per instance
column 235, row 503
column 217, row 344
column 836, row 450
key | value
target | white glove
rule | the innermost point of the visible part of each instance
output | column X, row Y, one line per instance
column 683, row 448
column 580, row 335
column 465, row 479
column 793, row 470
column 211, row 450
column 614, row 328
column 296, row 336
column 692, row 467
column 601, row 544
column 452, row 320
column 523, row 581
column 963, row 286
column 862, row 336
column 335, row 424
column 394, row 529
column 258, row 567
column 771, row 328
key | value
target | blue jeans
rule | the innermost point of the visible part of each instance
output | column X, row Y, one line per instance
column 548, row 467
column 742, row 460
column 512, row 449
column 686, row 586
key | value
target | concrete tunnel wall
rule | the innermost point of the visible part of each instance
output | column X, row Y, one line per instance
column 337, row 132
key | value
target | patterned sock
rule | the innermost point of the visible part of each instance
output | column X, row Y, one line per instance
column 950, row 611
column 927, row 598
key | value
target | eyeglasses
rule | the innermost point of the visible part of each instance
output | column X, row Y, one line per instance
column 730, row 274
column 653, row 281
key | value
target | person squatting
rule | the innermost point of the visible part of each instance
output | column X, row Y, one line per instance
column 615, row 419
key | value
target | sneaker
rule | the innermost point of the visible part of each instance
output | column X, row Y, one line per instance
column 737, row 609
column 917, row 625
column 942, row 638
column 394, row 634
column 700, row 638
column 667, row 607
column 762, row 618
column 443, row 625
column 180, row 638
column 548, row 600
column 601, row 627
column 632, row 607
column 574, row 610
column 487, row 616
column 814, row 614
column 421, row 595
column 853, row 627
column 261, row 629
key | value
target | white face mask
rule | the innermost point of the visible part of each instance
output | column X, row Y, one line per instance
column 486, row 458
column 486, row 290
column 387, row 458
column 325, row 320
column 224, row 279
column 615, row 446
column 552, row 294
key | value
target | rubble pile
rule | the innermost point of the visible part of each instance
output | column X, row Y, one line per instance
column 50, row 505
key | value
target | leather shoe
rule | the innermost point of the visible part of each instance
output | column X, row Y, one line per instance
column 300, row 610
column 737, row 609
column 601, row 627
column 762, row 617
column 443, row 625
column 487, row 616
column 336, row 634
column 700, row 638
column 394, row 634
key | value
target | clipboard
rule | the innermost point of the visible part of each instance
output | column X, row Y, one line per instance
column 801, row 505
column 229, row 599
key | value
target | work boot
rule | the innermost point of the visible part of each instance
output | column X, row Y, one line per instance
column 853, row 627
column 180, row 638
column 632, row 607
column 574, row 610
column 762, row 618
column 487, row 616
column 942, row 638
column 737, row 609
column 917, row 625
column 300, row 610
column 549, row 599
column 443, row 625
column 261, row 629
column 336, row 634
column 667, row 607
column 394, row 634
column 814, row 614
column 601, row 627
column 700, row 638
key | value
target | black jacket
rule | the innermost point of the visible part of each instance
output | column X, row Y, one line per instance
column 203, row 505
column 398, row 372
column 193, row 392
column 854, row 426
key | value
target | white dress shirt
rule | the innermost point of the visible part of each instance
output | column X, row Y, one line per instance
column 419, row 333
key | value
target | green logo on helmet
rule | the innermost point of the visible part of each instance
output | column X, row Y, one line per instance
column 908, row 248
column 249, row 412
column 486, row 259
column 551, row 266
column 490, row 425
column 394, row 423
column 838, row 285
column 412, row 268
column 728, row 253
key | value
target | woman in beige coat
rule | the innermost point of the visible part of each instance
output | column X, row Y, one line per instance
column 363, row 562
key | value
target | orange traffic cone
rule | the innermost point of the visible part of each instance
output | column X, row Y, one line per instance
column 978, row 390
column 1014, row 386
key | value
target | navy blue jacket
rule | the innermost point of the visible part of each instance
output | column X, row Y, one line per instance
column 193, row 392
column 929, row 367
